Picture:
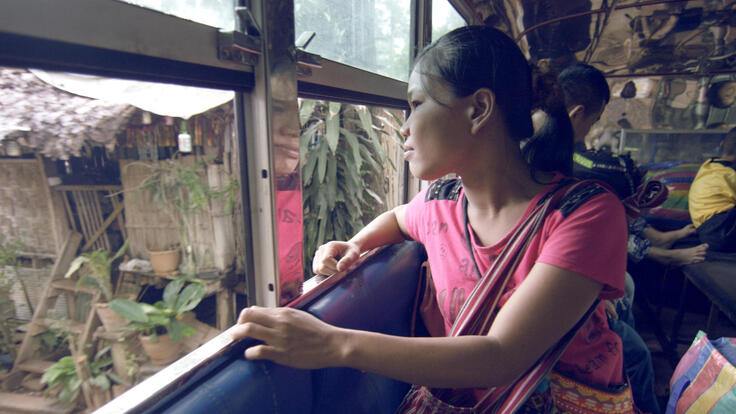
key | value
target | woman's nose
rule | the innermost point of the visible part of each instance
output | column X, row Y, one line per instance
column 404, row 130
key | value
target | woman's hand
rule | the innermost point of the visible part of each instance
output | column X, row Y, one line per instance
column 334, row 256
column 291, row 337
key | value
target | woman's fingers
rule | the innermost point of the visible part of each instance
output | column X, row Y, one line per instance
column 263, row 352
column 257, row 314
column 291, row 337
column 349, row 258
column 255, row 331
column 325, row 259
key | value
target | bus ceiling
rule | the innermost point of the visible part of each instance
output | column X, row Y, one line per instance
column 682, row 38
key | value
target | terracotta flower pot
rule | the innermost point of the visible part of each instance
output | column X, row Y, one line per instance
column 162, row 352
column 110, row 319
column 164, row 262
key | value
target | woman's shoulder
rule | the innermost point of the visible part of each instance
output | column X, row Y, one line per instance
column 444, row 189
column 588, row 194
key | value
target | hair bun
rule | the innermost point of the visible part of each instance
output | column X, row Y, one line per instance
column 548, row 94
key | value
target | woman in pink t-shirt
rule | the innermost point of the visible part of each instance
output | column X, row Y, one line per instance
column 471, row 97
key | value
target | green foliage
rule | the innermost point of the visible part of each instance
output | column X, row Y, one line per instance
column 343, row 153
column 96, row 267
column 166, row 313
column 56, row 336
column 64, row 374
column 10, row 249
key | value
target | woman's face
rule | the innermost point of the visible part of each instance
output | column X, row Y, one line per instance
column 435, row 133
column 285, row 137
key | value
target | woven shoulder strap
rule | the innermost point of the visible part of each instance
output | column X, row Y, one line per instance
column 476, row 315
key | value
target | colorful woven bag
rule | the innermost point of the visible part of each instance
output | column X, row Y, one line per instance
column 572, row 396
column 705, row 378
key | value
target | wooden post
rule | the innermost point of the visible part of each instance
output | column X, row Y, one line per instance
column 222, row 223
column 225, row 308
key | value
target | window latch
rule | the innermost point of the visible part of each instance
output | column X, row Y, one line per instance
column 237, row 46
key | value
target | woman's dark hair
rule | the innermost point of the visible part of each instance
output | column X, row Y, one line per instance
column 585, row 85
column 474, row 57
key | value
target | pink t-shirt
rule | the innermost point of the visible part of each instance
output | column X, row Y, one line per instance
column 590, row 241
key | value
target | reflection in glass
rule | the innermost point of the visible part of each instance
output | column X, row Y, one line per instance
column 371, row 35
column 285, row 124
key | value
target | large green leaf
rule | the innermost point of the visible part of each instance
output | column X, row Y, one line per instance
column 322, row 164
column 331, row 183
column 171, row 292
column 129, row 310
column 352, row 141
column 174, row 328
column 308, row 170
column 305, row 110
column 189, row 298
column 76, row 264
column 332, row 130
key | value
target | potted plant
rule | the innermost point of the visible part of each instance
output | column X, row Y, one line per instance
column 181, row 193
column 96, row 269
column 160, row 324
column 64, row 377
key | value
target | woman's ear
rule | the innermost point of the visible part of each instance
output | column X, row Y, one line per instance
column 482, row 102
column 576, row 112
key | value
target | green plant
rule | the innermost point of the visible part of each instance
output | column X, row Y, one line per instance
column 165, row 314
column 57, row 335
column 341, row 162
column 180, row 191
column 97, row 266
column 10, row 249
column 64, row 374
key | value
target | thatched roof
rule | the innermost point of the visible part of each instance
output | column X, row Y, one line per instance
column 56, row 123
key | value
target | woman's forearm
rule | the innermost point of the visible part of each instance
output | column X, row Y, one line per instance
column 384, row 229
column 449, row 362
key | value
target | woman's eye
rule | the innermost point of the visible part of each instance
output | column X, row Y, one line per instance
column 414, row 104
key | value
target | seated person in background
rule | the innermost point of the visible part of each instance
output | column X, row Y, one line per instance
column 586, row 95
column 712, row 198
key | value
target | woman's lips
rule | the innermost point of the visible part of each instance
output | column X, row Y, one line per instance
column 290, row 152
column 408, row 151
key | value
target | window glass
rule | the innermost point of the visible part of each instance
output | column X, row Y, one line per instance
column 215, row 13
column 444, row 18
column 352, row 164
column 369, row 34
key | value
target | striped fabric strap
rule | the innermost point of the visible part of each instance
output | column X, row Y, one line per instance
column 476, row 315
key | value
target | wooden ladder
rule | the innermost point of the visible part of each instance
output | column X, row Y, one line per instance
column 27, row 359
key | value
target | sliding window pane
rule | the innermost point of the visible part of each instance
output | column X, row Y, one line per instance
column 215, row 13
column 369, row 34
column 444, row 18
